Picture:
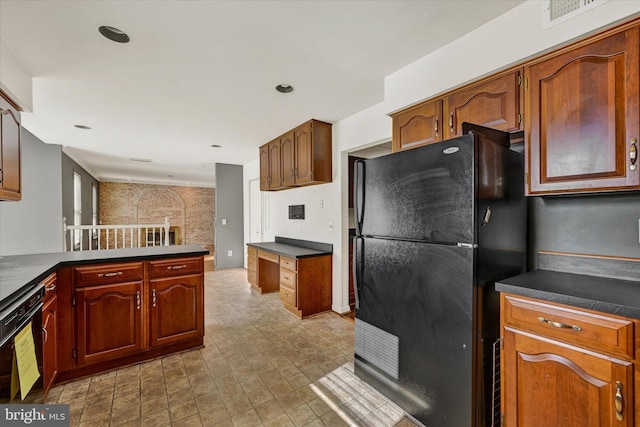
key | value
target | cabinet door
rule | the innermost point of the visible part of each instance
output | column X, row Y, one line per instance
column 582, row 118
column 109, row 322
column 547, row 383
column 419, row 125
column 494, row 103
column 287, row 151
column 264, row 167
column 49, row 342
column 303, row 139
column 10, row 172
column 275, row 165
column 177, row 309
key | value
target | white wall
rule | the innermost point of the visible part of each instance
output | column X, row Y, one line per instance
column 14, row 79
column 509, row 39
column 34, row 224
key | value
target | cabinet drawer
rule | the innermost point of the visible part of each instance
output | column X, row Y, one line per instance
column 252, row 252
column 288, row 278
column 288, row 263
column 108, row 273
column 288, row 295
column 251, row 263
column 175, row 267
column 269, row 256
column 50, row 284
column 606, row 334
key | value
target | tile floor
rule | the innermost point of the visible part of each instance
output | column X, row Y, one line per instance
column 261, row 366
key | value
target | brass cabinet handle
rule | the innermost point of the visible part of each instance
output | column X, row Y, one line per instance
column 138, row 300
column 119, row 273
column 50, row 288
column 618, row 401
column 451, row 122
column 154, row 297
column 559, row 325
column 633, row 154
column 177, row 267
column 436, row 129
column 2, row 178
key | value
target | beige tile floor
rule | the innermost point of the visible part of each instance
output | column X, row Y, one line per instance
column 261, row 366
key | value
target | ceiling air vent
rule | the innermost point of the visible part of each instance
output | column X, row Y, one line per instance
column 556, row 11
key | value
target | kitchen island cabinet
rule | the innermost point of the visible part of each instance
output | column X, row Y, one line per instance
column 10, row 164
column 581, row 116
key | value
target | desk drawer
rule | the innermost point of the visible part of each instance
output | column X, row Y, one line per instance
column 288, row 295
column 288, row 278
column 50, row 284
column 601, row 332
column 175, row 267
column 288, row 263
column 108, row 273
column 269, row 256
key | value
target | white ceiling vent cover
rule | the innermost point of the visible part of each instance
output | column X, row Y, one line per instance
column 556, row 11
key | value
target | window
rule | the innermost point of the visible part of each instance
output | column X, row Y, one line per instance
column 77, row 207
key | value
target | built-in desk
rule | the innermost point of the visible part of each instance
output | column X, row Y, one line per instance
column 299, row 269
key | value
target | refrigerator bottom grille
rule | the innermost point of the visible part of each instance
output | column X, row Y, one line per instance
column 378, row 347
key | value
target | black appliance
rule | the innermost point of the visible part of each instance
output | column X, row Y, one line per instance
column 17, row 313
column 436, row 226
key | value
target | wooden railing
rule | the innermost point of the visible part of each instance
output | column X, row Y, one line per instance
column 114, row 236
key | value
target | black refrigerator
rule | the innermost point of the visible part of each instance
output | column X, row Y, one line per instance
column 436, row 226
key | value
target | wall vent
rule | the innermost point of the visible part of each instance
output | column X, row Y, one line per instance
column 556, row 11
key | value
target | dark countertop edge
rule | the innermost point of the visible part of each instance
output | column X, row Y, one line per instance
column 288, row 250
column 53, row 265
column 538, row 284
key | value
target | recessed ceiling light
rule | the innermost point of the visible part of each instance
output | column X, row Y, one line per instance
column 114, row 34
column 137, row 159
column 170, row 176
column 216, row 145
column 284, row 88
column 81, row 127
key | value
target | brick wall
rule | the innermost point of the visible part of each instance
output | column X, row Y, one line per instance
column 192, row 209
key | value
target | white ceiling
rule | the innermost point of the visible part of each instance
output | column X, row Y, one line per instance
column 198, row 73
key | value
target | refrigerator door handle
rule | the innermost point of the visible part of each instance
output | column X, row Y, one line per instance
column 358, row 261
column 358, row 193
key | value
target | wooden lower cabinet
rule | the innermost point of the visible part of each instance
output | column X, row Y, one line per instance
column 552, row 372
column 114, row 314
column 176, row 309
column 305, row 285
column 109, row 322
column 49, row 342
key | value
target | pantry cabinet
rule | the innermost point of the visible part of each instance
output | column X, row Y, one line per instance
column 581, row 117
column 302, row 156
column 10, row 165
column 564, row 366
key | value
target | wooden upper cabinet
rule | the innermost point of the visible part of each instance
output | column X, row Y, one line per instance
column 303, row 157
column 581, row 117
column 493, row 103
column 270, row 166
column 417, row 126
column 287, row 152
column 10, row 169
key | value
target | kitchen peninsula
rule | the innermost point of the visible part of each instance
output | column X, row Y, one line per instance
column 299, row 269
column 112, row 307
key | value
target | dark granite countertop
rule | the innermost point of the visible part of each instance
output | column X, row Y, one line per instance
column 605, row 294
column 18, row 273
column 294, row 248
